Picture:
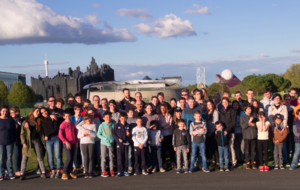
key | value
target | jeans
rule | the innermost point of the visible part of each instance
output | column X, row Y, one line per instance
column 223, row 154
column 110, row 151
column 8, row 151
column 131, row 158
column 296, row 154
column 69, row 158
column 202, row 152
column 156, row 157
column 97, row 157
column 53, row 143
column 181, row 150
column 278, row 154
column 284, row 151
column 17, row 156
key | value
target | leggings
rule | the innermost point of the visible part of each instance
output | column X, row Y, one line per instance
column 263, row 149
column 88, row 155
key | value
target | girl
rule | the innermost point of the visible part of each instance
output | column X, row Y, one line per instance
column 112, row 109
column 263, row 140
column 87, row 134
column 8, row 137
column 256, row 107
column 32, row 134
column 238, row 141
column 154, row 102
column 176, row 117
column 204, row 92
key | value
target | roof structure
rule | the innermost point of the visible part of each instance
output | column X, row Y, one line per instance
column 229, row 83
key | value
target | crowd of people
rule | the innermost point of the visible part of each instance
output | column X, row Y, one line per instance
column 141, row 138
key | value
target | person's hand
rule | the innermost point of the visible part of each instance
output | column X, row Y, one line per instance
column 216, row 132
column 159, row 139
column 26, row 126
column 276, row 141
column 53, row 117
column 85, row 132
column 68, row 145
column 24, row 145
column 187, row 150
column 76, row 145
column 141, row 146
column 120, row 140
column 46, row 138
column 194, row 133
column 127, row 133
column 175, row 149
column 202, row 130
column 225, row 132
column 251, row 119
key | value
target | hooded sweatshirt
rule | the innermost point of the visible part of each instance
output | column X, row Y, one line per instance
column 155, row 135
column 188, row 115
column 266, row 103
column 197, row 126
column 105, row 134
column 221, row 138
column 249, row 132
column 148, row 118
column 119, row 132
column 181, row 137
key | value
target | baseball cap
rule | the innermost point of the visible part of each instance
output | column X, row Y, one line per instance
column 278, row 116
column 178, row 109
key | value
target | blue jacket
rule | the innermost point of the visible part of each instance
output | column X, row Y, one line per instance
column 188, row 115
column 119, row 132
column 74, row 120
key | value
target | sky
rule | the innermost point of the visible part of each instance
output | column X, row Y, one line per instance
column 154, row 38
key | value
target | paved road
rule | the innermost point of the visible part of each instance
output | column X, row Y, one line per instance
column 238, row 179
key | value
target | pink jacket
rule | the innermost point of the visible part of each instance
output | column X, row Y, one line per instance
column 68, row 132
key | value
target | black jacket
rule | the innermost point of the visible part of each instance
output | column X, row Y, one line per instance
column 221, row 138
column 119, row 132
column 181, row 137
column 18, row 120
column 125, row 104
column 50, row 127
column 173, row 126
column 228, row 119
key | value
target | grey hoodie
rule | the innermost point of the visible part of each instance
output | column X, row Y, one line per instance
column 197, row 128
column 266, row 103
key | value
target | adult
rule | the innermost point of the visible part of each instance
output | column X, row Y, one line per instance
column 104, row 107
column 290, row 142
column 8, row 136
column 204, row 94
column 238, row 134
column 256, row 106
column 177, row 115
column 250, row 94
column 86, row 106
column 228, row 120
column 198, row 95
column 114, row 112
column 125, row 103
column 238, row 97
column 297, row 107
column 293, row 93
column 173, row 106
column 154, row 103
column 267, row 101
column 217, row 99
column 54, row 112
column 139, row 111
column 78, row 99
column 220, row 105
column 212, row 116
column 182, row 103
column 188, row 112
column 138, row 97
column 161, row 100
column 71, row 104
column 185, row 93
column 60, row 104
column 96, row 104
column 51, row 128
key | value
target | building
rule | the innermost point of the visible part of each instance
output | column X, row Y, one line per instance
column 10, row 78
column 228, row 78
column 73, row 82
column 176, row 79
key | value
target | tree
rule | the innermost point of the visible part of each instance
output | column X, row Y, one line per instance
column 293, row 74
column 20, row 94
column 217, row 87
column 3, row 92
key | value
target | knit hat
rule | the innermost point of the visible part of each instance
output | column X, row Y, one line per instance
column 178, row 109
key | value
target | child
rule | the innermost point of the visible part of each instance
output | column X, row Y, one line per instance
column 107, row 144
column 263, row 140
column 247, row 122
column 68, row 135
column 121, row 135
column 113, row 110
column 278, row 134
column 296, row 129
column 87, row 134
column 139, row 137
column 155, row 145
column 60, row 103
column 198, row 132
column 132, row 124
column 222, row 141
column 181, row 143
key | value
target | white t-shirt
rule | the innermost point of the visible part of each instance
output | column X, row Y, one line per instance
column 263, row 135
column 139, row 136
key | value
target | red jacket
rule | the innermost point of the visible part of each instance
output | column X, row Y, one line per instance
column 96, row 115
column 68, row 132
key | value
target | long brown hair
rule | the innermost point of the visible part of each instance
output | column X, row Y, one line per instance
column 175, row 118
column 205, row 96
column 254, row 109
column 159, row 109
column 37, row 121
column 210, row 117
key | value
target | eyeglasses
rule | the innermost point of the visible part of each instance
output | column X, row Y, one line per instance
column 51, row 100
column 184, row 94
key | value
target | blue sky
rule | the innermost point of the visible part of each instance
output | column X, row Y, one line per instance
column 153, row 38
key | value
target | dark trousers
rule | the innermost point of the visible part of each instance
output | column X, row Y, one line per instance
column 17, row 156
column 156, row 157
column 263, row 150
column 88, row 154
column 167, row 146
column 212, row 147
column 122, row 157
column 139, row 155
column 250, row 145
column 69, row 158
column 290, row 139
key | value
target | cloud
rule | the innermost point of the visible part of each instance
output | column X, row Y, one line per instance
column 199, row 10
column 169, row 26
column 264, row 55
column 144, row 73
column 96, row 6
column 206, row 33
column 33, row 65
column 297, row 50
column 92, row 19
column 28, row 22
column 141, row 14
column 252, row 70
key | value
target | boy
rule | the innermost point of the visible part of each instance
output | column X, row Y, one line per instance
column 132, row 123
column 121, row 135
column 222, row 141
column 296, row 129
column 86, row 106
column 249, row 129
column 181, row 143
column 278, row 134
column 139, row 137
column 198, row 96
column 198, row 132
column 60, row 103
column 155, row 145
column 107, row 144
column 68, row 135
column 78, row 99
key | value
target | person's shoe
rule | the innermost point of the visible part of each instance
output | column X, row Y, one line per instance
column 112, row 173
column 17, row 173
column 130, row 170
column 162, row 170
column 282, row 167
column 206, row 170
column 64, row 177
column 91, row 175
column 104, row 174
column 276, row 167
column 262, row 168
column 191, row 170
column 86, row 175
column 1, row 178
column 232, row 167
column 178, row 171
column 186, row 170
column 221, row 169
column 57, row 175
column 213, row 164
column 217, row 167
column 119, row 174
column 153, row 170
column 273, row 164
column 75, row 171
column 73, row 175
column 254, row 166
column 52, row 175
column 293, row 167
column 144, row 172
column 226, row 169
column 248, row 166
column 136, row 173
column 126, row 174
column 267, row 168
column 22, row 177
column 287, row 165
column 38, row 171
column 44, row 175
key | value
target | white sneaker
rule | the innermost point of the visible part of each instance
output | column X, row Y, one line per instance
column 154, row 170
column 130, row 169
column 162, row 170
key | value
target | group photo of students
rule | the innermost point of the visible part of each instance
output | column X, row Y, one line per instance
column 103, row 137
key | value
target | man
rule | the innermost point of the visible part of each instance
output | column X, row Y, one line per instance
column 184, row 94
column 188, row 112
column 267, row 101
column 182, row 103
column 71, row 103
column 293, row 93
column 198, row 95
column 250, row 94
column 78, row 99
column 161, row 98
column 238, row 97
column 86, row 106
column 139, row 109
column 54, row 112
column 104, row 105
column 125, row 103
column 225, row 95
column 217, row 99
column 290, row 137
column 139, row 97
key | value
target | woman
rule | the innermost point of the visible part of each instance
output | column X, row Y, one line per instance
column 51, row 128
column 8, row 136
column 15, row 114
column 112, row 109
column 204, row 92
column 32, row 134
column 256, row 107
column 165, row 120
column 238, row 141
column 154, row 102
column 173, row 103
column 212, row 116
column 177, row 115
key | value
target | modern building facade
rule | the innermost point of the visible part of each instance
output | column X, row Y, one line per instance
column 10, row 78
